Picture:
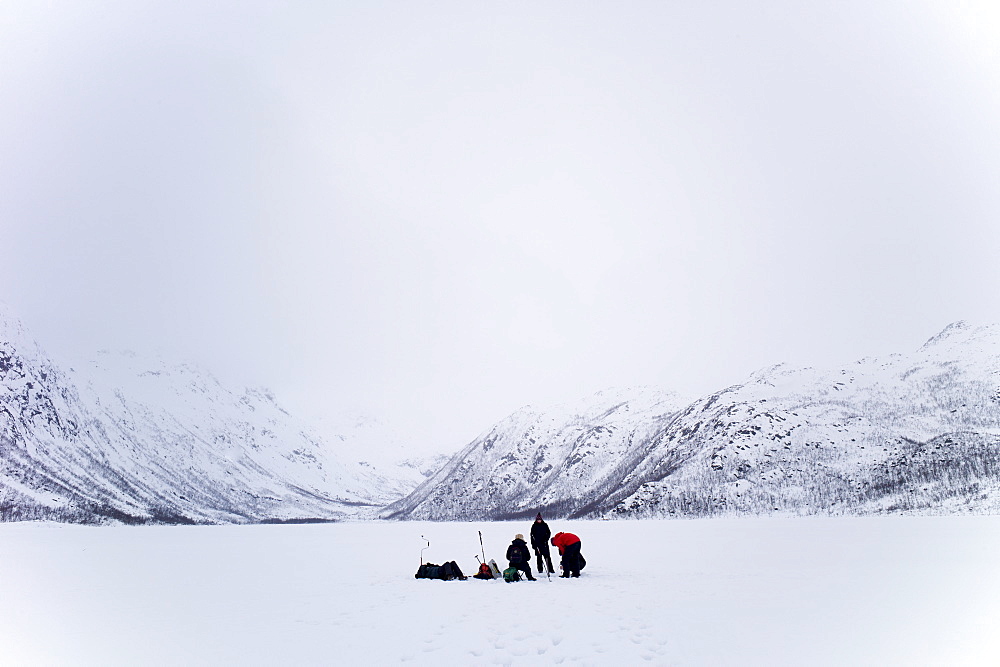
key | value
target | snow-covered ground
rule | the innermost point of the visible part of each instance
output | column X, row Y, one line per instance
column 873, row 591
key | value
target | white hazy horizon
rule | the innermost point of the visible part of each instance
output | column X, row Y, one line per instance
column 438, row 213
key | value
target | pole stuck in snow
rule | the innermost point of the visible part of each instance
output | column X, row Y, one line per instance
column 424, row 549
column 481, row 545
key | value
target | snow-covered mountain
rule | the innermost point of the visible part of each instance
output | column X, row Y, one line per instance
column 140, row 440
column 137, row 440
column 911, row 433
column 556, row 460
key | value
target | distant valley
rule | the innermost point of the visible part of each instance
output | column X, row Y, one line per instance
column 133, row 440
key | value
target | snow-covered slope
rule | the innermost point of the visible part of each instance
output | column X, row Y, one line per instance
column 912, row 433
column 556, row 460
column 139, row 440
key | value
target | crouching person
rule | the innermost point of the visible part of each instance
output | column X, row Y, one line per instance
column 518, row 556
column 569, row 549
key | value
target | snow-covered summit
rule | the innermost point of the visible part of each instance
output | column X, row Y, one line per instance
column 14, row 336
column 956, row 332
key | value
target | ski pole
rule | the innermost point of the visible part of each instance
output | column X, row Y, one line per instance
column 544, row 564
column 424, row 549
column 481, row 545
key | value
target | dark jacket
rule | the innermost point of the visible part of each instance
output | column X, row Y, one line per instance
column 540, row 534
column 517, row 552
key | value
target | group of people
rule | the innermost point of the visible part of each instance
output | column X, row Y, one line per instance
column 568, row 544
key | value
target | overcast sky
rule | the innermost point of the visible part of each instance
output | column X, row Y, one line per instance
column 439, row 212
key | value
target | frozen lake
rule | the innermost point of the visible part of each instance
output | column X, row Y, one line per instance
column 876, row 591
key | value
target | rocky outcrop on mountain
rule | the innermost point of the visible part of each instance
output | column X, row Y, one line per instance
column 138, row 440
column 912, row 433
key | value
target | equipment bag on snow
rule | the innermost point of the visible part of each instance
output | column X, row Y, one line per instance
column 428, row 571
column 446, row 572
column 511, row 574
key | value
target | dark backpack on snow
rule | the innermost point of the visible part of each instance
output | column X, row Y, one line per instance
column 447, row 572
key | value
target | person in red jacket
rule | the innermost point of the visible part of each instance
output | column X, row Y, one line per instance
column 569, row 549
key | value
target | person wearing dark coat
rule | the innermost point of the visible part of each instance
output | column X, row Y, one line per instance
column 540, row 535
column 518, row 556
column 569, row 548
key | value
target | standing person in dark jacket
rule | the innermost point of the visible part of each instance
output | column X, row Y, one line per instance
column 519, row 557
column 540, row 535
column 569, row 547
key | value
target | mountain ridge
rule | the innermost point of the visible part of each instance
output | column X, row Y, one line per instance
column 140, row 440
column 874, row 436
